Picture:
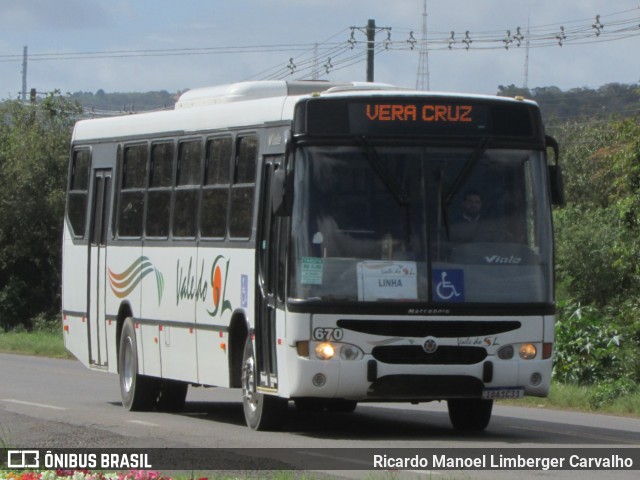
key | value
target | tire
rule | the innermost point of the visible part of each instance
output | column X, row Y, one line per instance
column 138, row 392
column 470, row 414
column 172, row 396
column 261, row 412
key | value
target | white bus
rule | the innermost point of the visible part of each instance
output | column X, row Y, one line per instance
column 313, row 242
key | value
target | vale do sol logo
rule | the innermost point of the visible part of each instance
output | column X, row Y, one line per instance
column 191, row 284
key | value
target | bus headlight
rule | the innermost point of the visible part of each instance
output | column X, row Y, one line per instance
column 350, row 352
column 506, row 352
column 528, row 351
column 325, row 351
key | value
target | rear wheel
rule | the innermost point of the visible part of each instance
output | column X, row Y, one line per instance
column 261, row 412
column 471, row 414
column 138, row 392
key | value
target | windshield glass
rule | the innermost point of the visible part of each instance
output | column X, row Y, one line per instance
column 421, row 224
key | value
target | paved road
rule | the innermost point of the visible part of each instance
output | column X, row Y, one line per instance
column 51, row 403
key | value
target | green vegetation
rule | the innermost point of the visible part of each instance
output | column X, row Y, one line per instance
column 586, row 103
column 44, row 340
column 598, row 253
column 598, row 267
column 34, row 146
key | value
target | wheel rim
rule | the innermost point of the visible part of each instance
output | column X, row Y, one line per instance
column 249, row 396
column 127, row 368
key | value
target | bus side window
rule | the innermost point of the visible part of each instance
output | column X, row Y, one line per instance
column 133, row 183
column 215, row 192
column 78, row 190
column 185, row 210
column 242, row 190
column 160, row 186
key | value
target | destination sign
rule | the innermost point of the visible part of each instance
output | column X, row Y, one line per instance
column 381, row 112
column 410, row 116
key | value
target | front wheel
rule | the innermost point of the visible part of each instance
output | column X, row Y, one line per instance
column 138, row 392
column 261, row 412
column 471, row 414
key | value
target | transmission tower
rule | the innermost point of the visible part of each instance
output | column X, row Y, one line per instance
column 315, row 73
column 422, row 80
column 526, row 59
column 24, row 74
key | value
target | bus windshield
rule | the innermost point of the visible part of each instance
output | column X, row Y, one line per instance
column 433, row 225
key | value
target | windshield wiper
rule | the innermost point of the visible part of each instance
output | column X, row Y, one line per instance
column 460, row 180
column 383, row 172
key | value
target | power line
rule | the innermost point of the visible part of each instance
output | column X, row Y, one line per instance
column 160, row 52
column 600, row 28
column 319, row 59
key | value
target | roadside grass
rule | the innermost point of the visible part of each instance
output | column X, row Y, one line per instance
column 47, row 342
column 41, row 343
column 580, row 399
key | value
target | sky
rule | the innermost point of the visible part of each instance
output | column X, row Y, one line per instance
column 150, row 45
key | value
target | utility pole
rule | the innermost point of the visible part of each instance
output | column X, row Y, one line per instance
column 24, row 74
column 371, row 39
column 370, row 30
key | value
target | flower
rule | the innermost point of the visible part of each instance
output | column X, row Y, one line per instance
column 82, row 475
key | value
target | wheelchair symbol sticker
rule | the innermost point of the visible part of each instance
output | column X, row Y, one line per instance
column 448, row 285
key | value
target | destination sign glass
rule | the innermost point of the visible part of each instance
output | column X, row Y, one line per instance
column 378, row 115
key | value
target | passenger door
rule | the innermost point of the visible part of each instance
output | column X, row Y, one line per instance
column 267, row 278
column 101, row 202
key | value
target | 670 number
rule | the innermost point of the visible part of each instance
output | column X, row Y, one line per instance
column 325, row 334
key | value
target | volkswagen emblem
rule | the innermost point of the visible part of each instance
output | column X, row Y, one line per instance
column 430, row 345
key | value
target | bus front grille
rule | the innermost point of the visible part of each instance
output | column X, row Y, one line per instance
column 415, row 355
column 425, row 387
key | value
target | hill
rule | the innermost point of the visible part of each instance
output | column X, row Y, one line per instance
column 612, row 99
column 102, row 103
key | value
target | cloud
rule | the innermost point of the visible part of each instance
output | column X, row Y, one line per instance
column 47, row 15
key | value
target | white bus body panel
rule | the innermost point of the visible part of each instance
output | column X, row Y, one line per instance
column 182, row 303
column 74, row 295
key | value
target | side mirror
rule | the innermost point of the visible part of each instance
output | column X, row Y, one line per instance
column 557, row 185
column 281, row 193
column 556, row 180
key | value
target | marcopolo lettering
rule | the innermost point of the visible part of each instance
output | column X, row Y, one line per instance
column 424, row 113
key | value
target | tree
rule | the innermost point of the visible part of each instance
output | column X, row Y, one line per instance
column 34, row 146
column 597, row 233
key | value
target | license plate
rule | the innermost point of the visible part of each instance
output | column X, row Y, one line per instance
column 502, row 392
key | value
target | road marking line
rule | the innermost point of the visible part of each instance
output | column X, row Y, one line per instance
column 32, row 404
column 142, row 422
